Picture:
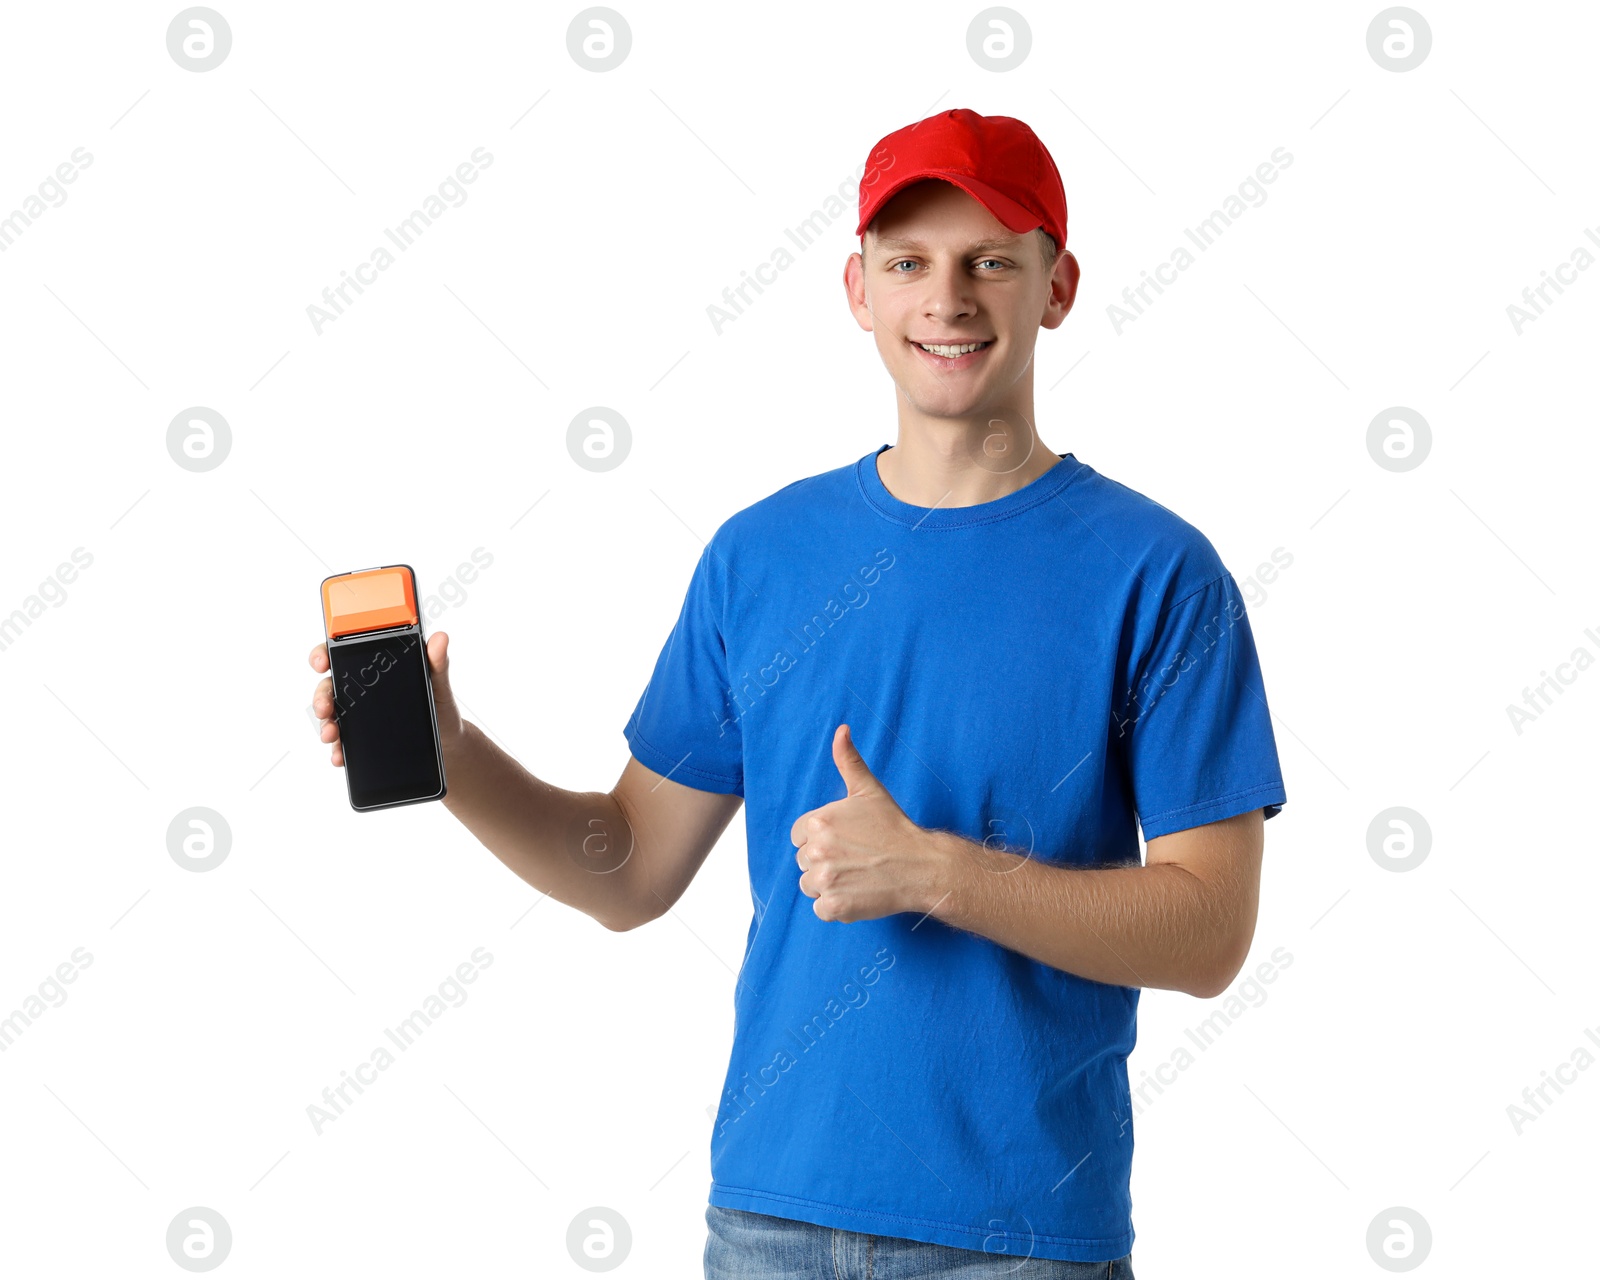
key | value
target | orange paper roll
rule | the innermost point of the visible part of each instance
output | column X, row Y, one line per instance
column 370, row 600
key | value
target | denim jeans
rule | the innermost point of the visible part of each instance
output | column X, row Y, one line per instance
column 757, row 1246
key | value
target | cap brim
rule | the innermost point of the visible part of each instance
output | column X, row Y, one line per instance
column 1011, row 215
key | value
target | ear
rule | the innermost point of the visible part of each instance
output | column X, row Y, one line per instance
column 855, row 288
column 1063, row 290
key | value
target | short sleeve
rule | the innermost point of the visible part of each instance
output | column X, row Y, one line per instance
column 1194, row 728
column 683, row 726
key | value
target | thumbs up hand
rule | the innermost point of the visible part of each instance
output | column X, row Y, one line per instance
column 862, row 857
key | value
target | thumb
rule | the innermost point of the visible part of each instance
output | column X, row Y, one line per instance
column 439, row 657
column 852, row 768
column 439, row 671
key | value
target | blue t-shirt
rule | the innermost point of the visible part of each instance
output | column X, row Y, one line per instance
column 1037, row 673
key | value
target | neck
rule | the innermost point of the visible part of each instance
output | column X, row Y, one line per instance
column 961, row 462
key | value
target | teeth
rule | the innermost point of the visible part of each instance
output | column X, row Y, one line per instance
column 949, row 351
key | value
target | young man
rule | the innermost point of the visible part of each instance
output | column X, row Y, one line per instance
column 950, row 682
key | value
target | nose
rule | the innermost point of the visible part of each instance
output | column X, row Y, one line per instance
column 949, row 296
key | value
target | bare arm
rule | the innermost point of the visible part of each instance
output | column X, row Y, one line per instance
column 621, row 856
column 1183, row 921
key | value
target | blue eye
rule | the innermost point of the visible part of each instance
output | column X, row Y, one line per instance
column 999, row 264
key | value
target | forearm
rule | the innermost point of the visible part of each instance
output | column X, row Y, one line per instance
column 1132, row 926
column 556, row 840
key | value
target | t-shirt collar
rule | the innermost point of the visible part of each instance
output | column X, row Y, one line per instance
column 1040, row 489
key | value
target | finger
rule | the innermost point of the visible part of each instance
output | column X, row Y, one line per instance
column 319, row 658
column 852, row 768
column 338, row 755
column 800, row 832
column 439, row 654
column 330, row 731
column 439, row 667
column 322, row 700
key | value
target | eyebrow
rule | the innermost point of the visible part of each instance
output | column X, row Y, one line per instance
column 896, row 243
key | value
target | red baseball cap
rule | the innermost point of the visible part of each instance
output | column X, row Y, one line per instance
column 996, row 160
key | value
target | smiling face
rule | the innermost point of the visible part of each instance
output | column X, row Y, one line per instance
column 938, row 270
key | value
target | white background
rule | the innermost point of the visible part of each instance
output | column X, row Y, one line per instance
column 432, row 415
